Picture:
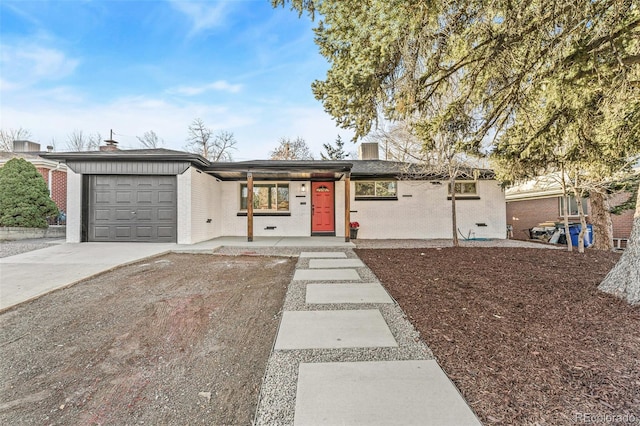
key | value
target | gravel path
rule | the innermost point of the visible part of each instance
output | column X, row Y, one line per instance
column 11, row 248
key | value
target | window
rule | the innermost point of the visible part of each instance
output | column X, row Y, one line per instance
column 379, row 189
column 266, row 196
column 573, row 205
column 465, row 188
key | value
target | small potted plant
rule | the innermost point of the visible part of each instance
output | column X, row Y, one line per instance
column 353, row 230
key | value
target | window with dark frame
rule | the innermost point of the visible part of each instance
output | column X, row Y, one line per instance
column 376, row 189
column 267, row 196
column 465, row 188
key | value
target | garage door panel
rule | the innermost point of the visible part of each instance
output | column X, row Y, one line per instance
column 123, row 214
column 145, row 196
column 165, row 231
column 123, row 231
column 103, row 197
column 144, row 214
column 102, row 214
column 102, row 232
column 144, row 231
column 132, row 208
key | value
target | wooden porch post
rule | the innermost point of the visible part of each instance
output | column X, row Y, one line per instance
column 347, row 207
column 249, row 206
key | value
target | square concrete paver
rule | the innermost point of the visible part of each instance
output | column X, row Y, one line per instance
column 326, row 275
column 324, row 254
column 347, row 293
column 379, row 393
column 333, row 329
column 335, row 263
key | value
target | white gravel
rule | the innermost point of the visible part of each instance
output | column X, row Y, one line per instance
column 278, row 393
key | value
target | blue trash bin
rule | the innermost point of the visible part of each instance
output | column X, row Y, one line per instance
column 574, row 231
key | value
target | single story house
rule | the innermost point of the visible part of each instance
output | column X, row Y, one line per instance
column 540, row 200
column 173, row 196
column 54, row 172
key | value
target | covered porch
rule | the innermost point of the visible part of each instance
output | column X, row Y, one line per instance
column 308, row 192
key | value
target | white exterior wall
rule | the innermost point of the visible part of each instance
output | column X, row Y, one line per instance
column 74, row 207
column 198, row 201
column 296, row 225
column 423, row 211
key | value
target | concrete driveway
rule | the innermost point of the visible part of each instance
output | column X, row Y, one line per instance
column 29, row 275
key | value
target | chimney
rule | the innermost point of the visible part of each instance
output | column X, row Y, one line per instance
column 368, row 151
column 25, row 146
column 110, row 144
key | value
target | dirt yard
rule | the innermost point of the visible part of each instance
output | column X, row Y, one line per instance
column 181, row 339
column 523, row 333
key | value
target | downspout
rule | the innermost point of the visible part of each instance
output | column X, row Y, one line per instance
column 51, row 179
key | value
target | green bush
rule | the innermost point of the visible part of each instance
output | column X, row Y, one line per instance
column 24, row 197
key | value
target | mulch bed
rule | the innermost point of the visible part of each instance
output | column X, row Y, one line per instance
column 523, row 333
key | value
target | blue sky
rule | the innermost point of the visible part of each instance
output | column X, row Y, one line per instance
column 135, row 66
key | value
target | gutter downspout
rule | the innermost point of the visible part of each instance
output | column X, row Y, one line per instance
column 51, row 179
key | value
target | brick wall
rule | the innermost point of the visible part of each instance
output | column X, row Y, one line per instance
column 525, row 214
column 58, row 186
column 622, row 223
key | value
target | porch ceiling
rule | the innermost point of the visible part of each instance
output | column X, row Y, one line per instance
column 281, row 170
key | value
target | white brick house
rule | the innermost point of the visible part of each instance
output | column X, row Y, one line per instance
column 173, row 196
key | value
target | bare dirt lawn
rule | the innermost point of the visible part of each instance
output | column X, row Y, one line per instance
column 181, row 339
column 523, row 333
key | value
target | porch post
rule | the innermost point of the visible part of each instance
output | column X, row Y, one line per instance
column 249, row 206
column 347, row 206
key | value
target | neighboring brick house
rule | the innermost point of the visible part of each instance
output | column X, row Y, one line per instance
column 540, row 201
column 53, row 172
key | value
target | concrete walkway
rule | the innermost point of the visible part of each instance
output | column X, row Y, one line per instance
column 384, row 387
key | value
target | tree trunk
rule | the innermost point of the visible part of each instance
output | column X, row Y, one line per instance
column 454, row 220
column 601, row 220
column 623, row 280
column 565, row 212
column 583, row 223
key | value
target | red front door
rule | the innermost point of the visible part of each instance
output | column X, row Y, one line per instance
column 322, row 208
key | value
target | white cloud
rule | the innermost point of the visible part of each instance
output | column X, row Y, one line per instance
column 27, row 63
column 220, row 85
column 203, row 15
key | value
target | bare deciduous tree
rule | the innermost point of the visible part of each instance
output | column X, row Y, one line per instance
column 202, row 141
column 79, row 141
column 8, row 136
column 150, row 140
column 288, row 149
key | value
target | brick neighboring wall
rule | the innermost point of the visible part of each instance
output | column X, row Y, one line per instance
column 622, row 223
column 525, row 214
column 58, row 186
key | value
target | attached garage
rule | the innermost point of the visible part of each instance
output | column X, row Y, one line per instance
column 132, row 208
column 128, row 196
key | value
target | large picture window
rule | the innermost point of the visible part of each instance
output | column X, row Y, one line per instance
column 378, row 189
column 266, row 197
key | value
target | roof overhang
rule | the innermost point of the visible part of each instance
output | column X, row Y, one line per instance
column 137, row 155
column 280, row 170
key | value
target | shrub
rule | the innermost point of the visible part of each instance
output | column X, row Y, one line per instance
column 24, row 197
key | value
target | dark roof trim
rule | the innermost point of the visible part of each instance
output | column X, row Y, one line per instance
column 283, row 166
column 129, row 155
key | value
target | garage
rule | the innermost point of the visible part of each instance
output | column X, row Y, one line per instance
column 139, row 208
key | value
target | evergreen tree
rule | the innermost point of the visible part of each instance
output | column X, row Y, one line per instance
column 334, row 152
column 24, row 197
